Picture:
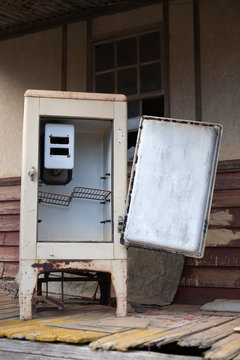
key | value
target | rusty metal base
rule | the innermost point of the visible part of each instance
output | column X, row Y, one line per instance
column 30, row 269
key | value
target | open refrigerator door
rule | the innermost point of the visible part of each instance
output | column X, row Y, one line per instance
column 171, row 185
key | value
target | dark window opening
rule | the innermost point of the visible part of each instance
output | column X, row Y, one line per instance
column 105, row 83
column 153, row 107
column 127, row 52
column 150, row 77
column 104, row 57
column 132, row 138
column 149, row 45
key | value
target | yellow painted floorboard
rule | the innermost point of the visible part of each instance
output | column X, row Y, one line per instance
column 44, row 330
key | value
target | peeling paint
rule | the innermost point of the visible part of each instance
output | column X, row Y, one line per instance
column 221, row 237
column 221, row 218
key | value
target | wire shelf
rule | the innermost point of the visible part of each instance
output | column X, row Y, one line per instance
column 89, row 193
column 54, row 199
column 77, row 193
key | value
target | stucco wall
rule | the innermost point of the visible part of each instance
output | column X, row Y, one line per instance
column 220, row 52
column 31, row 61
column 181, row 59
column 76, row 56
column 220, row 58
column 34, row 61
column 122, row 22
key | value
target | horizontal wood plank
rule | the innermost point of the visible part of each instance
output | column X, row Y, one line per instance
column 9, row 253
column 225, row 218
column 1, row 268
column 6, row 355
column 10, row 181
column 227, row 181
column 224, row 349
column 10, row 305
column 9, row 222
column 225, row 166
column 10, row 269
column 9, row 207
column 226, row 198
column 12, row 238
column 223, row 237
column 175, row 334
column 210, row 277
column 73, row 352
column 202, row 295
column 2, row 237
column 208, row 337
column 217, row 257
column 9, row 193
column 6, row 315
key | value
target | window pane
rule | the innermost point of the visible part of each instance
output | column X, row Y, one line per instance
column 132, row 138
column 104, row 57
column 104, row 83
column 127, row 52
column 133, row 115
column 153, row 107
column 127, row 81
column 150, row 77
column 149, row 47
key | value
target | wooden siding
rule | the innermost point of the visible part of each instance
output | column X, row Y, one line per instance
column 217, row 274
column 9, row 226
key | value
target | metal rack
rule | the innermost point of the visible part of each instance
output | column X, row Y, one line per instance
column 77, row 193
column 89, row 193
column 54, row 199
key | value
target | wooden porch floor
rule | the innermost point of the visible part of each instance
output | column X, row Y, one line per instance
column 93, row 332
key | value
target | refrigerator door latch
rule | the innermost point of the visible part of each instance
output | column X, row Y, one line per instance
column 31, row 173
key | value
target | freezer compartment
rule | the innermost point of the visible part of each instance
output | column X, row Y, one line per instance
column 171, row 185
column 80, row 210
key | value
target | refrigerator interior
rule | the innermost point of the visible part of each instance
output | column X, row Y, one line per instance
column 84, row 215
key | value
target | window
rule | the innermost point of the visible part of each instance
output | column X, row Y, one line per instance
column 131, row 66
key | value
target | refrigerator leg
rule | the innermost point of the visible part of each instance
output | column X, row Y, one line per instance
column 28, row 283
column 119, row 281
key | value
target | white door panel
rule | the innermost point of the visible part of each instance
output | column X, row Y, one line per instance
column 171, row 185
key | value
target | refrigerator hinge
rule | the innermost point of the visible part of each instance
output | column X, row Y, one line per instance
column 120, row 224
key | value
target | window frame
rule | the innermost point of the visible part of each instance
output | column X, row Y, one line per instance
column 128, row 35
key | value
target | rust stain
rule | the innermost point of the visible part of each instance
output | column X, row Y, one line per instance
column 51, row 265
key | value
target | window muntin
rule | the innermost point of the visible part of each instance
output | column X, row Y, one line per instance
column 132, row 66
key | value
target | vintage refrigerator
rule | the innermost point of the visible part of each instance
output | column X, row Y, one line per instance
column 75, row 211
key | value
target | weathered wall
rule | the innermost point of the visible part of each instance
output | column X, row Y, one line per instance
column 217, row 274
column 31, row 61
column 106, row 26
column 181, row 59
column 34, row 61
column 220, row 57
column 76, row 56
column 220, row 53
